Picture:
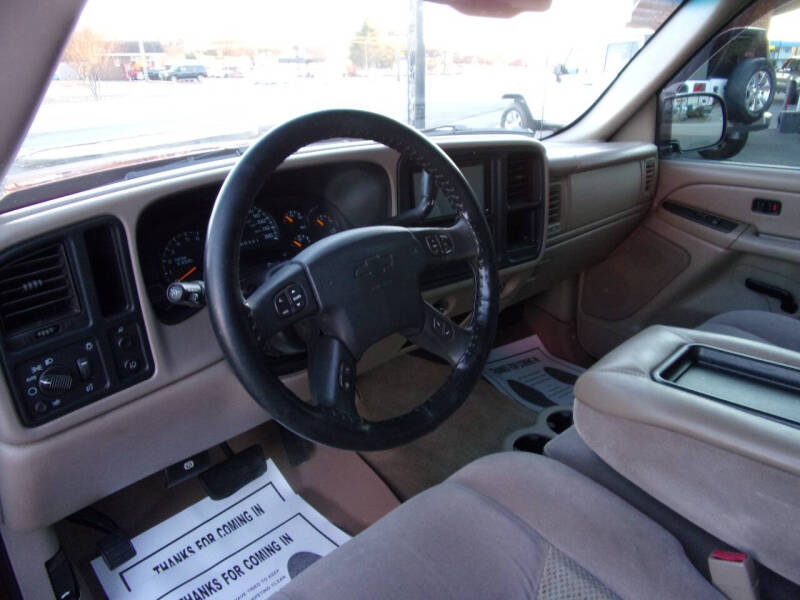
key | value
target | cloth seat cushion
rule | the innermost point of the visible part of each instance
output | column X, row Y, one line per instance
column 757, row 325
column 511, row 525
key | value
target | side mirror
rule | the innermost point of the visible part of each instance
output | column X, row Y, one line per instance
column 693, row 121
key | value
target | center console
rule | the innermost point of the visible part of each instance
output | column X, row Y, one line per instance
column 511, row 188
column 709, row 425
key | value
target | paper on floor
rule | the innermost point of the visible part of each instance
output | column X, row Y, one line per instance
column 528, row 373
column 244, row 547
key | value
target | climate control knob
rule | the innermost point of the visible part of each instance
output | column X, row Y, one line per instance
column 55, row 380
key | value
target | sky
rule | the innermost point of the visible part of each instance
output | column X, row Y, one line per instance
column 331, row 24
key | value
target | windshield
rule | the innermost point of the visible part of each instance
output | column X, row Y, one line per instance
column 156, row 80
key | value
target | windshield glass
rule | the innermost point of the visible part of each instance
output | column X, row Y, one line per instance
column 155, row 80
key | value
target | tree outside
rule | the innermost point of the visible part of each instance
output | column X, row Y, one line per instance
column 85, row 54
column 371, row 49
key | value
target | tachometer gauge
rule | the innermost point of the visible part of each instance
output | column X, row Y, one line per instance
column 322, row 223
column 293, row 219
column 299, row 242
column 260, row 230
column 182, row 257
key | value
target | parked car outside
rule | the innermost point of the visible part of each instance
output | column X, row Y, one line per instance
column 788, row 79
column 182, row 72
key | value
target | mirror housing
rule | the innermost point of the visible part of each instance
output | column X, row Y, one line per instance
column 693, row 121
column 503, row 9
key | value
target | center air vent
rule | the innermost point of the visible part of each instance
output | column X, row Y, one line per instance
column 554, row 209
column 520, row 180
column 649, row 176
column 36, row 289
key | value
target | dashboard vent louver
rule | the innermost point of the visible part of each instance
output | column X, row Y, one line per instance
column 35, row 289
column 520, row 180
column 554, row 209
column 649, row 175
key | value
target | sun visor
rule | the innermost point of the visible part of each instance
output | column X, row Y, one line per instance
column 504, row 9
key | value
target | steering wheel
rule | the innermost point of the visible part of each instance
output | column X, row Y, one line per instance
column 356, row 287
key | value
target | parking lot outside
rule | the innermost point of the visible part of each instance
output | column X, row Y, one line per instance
column 159, row 114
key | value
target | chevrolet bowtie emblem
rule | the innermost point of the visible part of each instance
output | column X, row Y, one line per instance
column 375, row 266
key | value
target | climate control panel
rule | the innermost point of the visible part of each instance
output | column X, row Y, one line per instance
column 96, row 342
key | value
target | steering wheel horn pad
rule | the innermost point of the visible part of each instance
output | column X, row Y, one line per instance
column 357, row 286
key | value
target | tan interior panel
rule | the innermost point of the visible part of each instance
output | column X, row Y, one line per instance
column 635, row 272
column 761, row 247
column 598, row 194
column 736, row 203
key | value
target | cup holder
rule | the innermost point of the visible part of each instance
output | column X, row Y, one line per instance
column 559, row 421
column 531, row 442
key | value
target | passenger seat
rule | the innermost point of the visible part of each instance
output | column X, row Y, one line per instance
column 757, row 325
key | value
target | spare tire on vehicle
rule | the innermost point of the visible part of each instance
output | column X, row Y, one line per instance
column 750, row 90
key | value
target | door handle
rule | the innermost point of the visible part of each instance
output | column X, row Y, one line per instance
column 788, row 303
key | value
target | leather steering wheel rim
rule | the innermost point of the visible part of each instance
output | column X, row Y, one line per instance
column 237, row 321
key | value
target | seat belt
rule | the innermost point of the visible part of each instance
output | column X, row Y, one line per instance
column 734, row 574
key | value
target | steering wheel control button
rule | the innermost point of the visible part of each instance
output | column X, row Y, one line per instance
column 432, row 242
column 55, row 380
column 439, row 244
column 442, row 328
column 347, row 376
column 446, row 244
column 447, row 331
column 283, row 308
column 290, row 300
column 296, row 297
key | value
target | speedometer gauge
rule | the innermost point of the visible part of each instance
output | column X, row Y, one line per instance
column 182, row 257
column 260, row 230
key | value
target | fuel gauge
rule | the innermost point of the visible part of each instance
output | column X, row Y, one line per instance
column 299, row 242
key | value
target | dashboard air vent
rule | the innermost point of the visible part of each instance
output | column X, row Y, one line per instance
column 520, row 180
column 649, row 176
column 35, row 289
column 554, row 209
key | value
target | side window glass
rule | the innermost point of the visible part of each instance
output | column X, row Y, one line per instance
column 754, row 66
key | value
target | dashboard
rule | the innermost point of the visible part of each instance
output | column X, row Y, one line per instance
column 161, row 389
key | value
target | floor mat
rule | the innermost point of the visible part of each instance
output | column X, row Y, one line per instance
column 478, row 428
column 338, row 483
column 526, row 372
column 245, row 546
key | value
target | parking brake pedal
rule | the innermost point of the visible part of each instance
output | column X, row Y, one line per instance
column 234, row 473
column 116, row 547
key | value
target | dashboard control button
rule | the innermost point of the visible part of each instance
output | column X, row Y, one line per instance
column 131, row 365
column 84, row 368
column 55, row 380
column 124, row 342
column 40, row 407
